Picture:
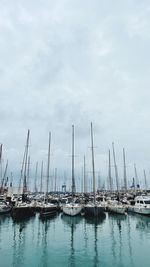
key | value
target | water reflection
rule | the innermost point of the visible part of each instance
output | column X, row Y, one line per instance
column 111, row 240
column 117, row 217
column 4, row 220
column 143, row 223
column 72, row 222
column 72, row 259
column 129, row 241
column 45, row 224
column 96, row 221
column 116, row 222
column 19, row 241
column 44, row 258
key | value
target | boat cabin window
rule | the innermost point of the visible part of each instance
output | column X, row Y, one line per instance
column 141, row 201
column 137, row 201
column 147, row 201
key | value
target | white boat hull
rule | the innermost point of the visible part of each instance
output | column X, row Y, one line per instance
column 72, row 209
column 139, row 210
column 118, row 210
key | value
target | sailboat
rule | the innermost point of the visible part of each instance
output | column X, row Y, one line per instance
column 72, row 209
column 94, row 208
column 115, row 206
column 4, row 207
column 22, row 208
column 48, row 209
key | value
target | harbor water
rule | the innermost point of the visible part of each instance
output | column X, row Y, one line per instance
column 113, row 240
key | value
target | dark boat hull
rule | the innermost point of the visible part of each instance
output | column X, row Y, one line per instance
column 5, row 211
column 22, row 212
column 94, row 210
column 48, row 212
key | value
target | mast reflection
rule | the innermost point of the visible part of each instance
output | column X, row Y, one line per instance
column 116, row 220
column 4, row 219
column 19, row 242
column 71, row 222
column 44, row 258
column 45, row 223
column 143, row 223
column 129, row 241
column 96, row 221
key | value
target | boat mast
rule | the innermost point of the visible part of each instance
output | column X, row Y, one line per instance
column 41, row 177
column 11, row 180
column 1, row 159
column 55, row 179
column 136, row 176
column 48, row 166
column 99, row 181
column 25, row 166
column 65, row 181
column 84, row 176
column 109, row 173
column 1, row 164
column 35, row 182
column 145, row 179
column 93, row 167
column 4, row 177
column 1, row 152
column 116, row 169
column 21, row 173
column 73, row 179
column 125, row 173
column 28, row 173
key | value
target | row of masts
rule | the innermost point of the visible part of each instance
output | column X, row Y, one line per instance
column 116, row 171
column 3, row 177
column 24, row 175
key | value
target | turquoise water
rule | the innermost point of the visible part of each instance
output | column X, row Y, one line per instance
column 64, row 241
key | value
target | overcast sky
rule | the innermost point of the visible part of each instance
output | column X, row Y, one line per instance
column 70, row 62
